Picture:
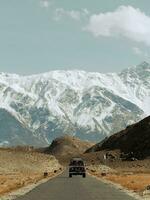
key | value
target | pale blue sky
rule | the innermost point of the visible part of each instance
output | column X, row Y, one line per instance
column 40, row 35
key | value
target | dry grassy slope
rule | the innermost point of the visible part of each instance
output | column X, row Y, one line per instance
column 21, row 167
column 22, row 161
column 67, row 146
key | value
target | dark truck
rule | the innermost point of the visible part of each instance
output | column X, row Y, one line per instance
column 77, row 167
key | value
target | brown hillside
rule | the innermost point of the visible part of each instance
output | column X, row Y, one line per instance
column 66, row 147
column 134, row 141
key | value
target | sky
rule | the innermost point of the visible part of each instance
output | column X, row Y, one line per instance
column 38, row 36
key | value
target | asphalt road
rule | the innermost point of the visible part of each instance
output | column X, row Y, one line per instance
column 75, row 188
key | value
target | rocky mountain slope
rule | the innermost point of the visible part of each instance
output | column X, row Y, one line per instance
column 84, row 104
column 134, row 141
column 15, row 132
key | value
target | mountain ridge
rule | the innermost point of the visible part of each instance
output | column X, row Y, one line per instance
column 84, row 104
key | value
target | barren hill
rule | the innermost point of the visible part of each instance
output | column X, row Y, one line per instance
column 134, row 140
column 66, row 147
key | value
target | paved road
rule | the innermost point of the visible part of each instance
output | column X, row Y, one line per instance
column 75, row 188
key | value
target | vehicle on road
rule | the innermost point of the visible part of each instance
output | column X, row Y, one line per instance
column 77, row 167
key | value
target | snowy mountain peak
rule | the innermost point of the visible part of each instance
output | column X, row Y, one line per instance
column 86, row 104
column 144, row 65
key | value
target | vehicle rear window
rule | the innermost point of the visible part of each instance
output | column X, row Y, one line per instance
column 77, row 163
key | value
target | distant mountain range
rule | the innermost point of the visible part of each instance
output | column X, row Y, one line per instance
column 36, row 109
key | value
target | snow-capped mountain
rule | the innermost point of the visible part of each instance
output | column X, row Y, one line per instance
column 88, row 105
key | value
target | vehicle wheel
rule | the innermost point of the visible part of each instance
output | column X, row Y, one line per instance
column 70, row 175
column 83, row 175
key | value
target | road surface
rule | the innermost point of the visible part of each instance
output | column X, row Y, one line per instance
column 75, row 188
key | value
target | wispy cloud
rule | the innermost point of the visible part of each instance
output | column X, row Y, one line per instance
column 126, row 21
column 45, row 3
column 73, row 14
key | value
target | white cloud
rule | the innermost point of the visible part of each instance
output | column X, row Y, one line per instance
column 73, row 14
column 45, row 3
column 126, row 21
column 85, row 12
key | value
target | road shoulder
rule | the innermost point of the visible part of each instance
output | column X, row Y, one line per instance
column 26, row 189
column 117, row 186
